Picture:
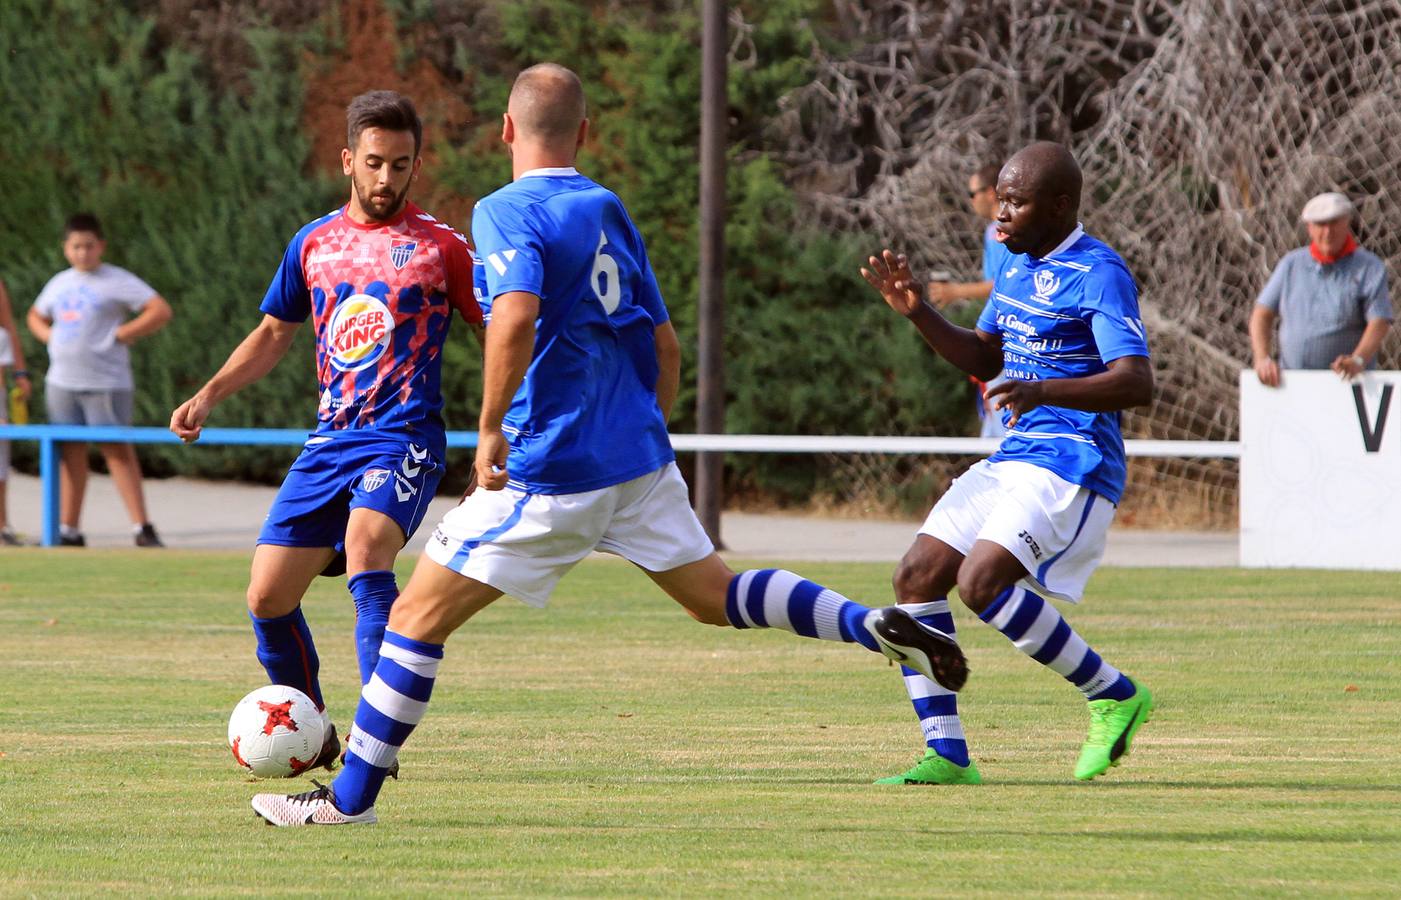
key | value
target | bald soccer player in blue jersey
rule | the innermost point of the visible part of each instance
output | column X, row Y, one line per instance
column 1029, row 522
column 582, row 365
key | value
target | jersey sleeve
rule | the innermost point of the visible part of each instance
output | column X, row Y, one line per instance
column 511, row 248
column 287, row 298
column 987, row 319
column 461, row 263
column 1376, row 296
column 130, row 290
column 1273, row 291
column 649, row 295
column 1110, row 305
column 44, row 303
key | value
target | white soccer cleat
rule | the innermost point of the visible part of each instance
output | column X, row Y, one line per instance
column 910, row 642
column 311, row 808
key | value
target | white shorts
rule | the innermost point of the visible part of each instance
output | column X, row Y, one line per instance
column 1056, row 529
column 522, row 544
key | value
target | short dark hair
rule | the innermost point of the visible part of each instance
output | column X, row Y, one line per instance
column 986, row 175
column 83, row 221
column 389, row 110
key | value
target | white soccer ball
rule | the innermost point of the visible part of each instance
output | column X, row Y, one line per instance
column 276, row 732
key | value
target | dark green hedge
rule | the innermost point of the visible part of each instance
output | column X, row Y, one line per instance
column 200, row 185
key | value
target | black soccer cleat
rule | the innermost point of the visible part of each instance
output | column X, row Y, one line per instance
column 927, row 650
column 330, row 751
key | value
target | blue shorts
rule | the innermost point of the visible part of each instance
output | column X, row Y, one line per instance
column 388, row 473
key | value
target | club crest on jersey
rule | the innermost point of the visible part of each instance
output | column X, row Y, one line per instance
column 401, row 251
column 374, row 479
column 1046, row 282
column 360, row 332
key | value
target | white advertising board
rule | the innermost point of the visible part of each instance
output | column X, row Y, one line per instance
column 1320, row 471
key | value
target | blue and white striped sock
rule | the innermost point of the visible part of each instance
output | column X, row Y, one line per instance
column 774, row 598
column 935, row 705
column 391, row 705
column 1039, row 630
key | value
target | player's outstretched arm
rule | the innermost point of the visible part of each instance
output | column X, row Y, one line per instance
column 975, row 352
column 510, row 345
column 251, row 360
column 1127, row 383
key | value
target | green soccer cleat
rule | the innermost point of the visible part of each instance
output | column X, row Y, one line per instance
column 934, row 769
column 1113, row 724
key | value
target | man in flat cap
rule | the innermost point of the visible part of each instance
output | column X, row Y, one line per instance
column 1330, row 298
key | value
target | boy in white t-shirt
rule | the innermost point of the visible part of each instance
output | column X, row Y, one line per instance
column 84, row 315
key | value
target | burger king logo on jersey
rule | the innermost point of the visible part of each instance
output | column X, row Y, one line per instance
column 359, row 334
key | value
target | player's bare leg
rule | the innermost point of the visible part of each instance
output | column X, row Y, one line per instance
column 987, row 571
column 700, row 587
column 372, row 541
column 922, row 581
column 280, row 576
column 73, row 484
column 437, row 601
column 714, row 594
column 928, row 569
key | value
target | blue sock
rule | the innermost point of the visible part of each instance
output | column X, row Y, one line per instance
column 373, row 592
column 391, row 705
column 935, row 705
column 773, row 598
column 288, row 653
column 1042, row 633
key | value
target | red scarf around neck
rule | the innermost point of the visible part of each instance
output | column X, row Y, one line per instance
column 1348, row 247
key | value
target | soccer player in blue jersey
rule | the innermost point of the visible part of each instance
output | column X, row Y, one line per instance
column 582, row 365
column 1029, row 522
column 381, row 280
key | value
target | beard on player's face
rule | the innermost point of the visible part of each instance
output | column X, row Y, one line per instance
column 379, row 201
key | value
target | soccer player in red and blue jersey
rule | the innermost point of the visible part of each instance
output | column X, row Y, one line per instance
column 380, row 279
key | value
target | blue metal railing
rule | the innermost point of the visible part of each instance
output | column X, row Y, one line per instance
column 50, row 436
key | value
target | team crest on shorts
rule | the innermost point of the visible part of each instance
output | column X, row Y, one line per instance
column 401, row 251
column 361, row 330
column 374, row 479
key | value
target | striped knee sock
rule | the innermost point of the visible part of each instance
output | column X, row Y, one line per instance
column 773, row 598
column 391, row 705
column 1042, row 633
column 288, row 653
column 935, row 705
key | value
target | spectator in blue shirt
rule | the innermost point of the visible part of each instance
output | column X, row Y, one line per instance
column 1330, row 298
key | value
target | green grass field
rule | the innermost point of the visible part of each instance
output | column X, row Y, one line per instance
column 611, row 746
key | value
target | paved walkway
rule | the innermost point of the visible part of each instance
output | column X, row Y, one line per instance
column 222, row 515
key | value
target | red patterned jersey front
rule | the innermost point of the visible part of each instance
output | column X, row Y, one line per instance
column 381, row 297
